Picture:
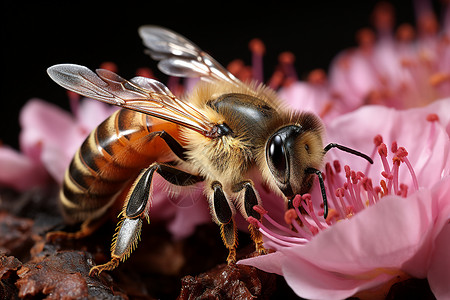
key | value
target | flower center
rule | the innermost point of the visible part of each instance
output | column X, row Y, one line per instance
column 350, row 192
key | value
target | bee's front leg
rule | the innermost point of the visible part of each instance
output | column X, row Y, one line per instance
column 248, row 196
column 136, row 210
column 222, row 213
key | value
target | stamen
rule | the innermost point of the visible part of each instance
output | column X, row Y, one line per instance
column 257, row 48
column 377, row 140
column 340, row 194
column 403, row 190
column 302, row 218
column 308, row 207
column 394, row 147
column 265, row 215
column 367, row 185
column 413, row 174
column 292, row 214
column 384, row 187
column 432, row 118
column 356, row 204
column 287, row 241
column 395, row 168
column 331, row 187
column 382, row 151
column 287, row 60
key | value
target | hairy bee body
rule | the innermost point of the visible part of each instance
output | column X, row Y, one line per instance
column 115, row 152
column 112, row 155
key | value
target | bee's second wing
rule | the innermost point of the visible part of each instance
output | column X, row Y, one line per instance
column 180, row 57
column 140, row 94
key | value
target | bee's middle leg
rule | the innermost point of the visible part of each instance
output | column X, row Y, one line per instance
column 134, row 212
column 223, row 216
column 249, row 197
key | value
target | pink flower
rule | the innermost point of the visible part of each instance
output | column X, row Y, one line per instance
column 402, row 71
column 49, row 138
column 387, row 222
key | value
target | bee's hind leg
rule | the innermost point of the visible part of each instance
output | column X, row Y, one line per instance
column 249, row 197
column 135, row 211
column 86, row 229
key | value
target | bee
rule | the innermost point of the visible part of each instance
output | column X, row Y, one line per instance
column 222, row 134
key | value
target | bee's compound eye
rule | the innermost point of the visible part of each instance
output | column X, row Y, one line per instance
column 277, row 158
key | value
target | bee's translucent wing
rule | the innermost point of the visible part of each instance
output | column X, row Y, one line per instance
column 180, row 57
column 140, row 94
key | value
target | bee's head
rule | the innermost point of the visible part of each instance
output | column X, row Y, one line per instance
column 290, row 152
column 294, row 155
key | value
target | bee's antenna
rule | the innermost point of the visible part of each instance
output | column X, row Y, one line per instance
column 322, row 189
column 349, row 150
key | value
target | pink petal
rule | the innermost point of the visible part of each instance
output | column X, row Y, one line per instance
column 407, row 127
column 19, row 171
column 311, row 282
column 188, row 218
column 43, row 122
column 439, row 269
column 362, row 252
column 92, row 113
column 183, row 210
column 439, row 272
column 271, row 263
column 352, row 77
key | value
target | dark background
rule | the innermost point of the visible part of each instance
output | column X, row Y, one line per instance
column 39, row 34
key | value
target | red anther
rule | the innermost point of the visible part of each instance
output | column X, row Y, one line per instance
column 286, row 57
column 401, row 152
column 377, row 140
column 432, row 117
column 347, row 171
column 297, row 201
column 384, row 187
column 394, row 147
column 109, row 65
column 386, row 175
column 257, row 46
column 403, row 190
column 339, row 192
column 383, row 16
column 365, row 38
column 253, row 221
column 289, row 215
column 235, row 66
column 405, row 33
column 377, row 189
column 354, row 177
column 306, row 197
column 367, row 183
column 317, row 76
column 382, row 150
column 346, row 185
column 259, row 209
column 337, row 166
column 360, row 175
column 145, row 72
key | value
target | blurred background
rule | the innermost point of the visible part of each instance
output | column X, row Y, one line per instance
column 39, row 34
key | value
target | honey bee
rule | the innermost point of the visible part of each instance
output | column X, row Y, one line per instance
column 219, row 135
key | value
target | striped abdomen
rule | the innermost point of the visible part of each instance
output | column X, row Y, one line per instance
column 111, row 156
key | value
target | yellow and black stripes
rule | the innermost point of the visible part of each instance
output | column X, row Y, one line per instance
column 113, row 154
